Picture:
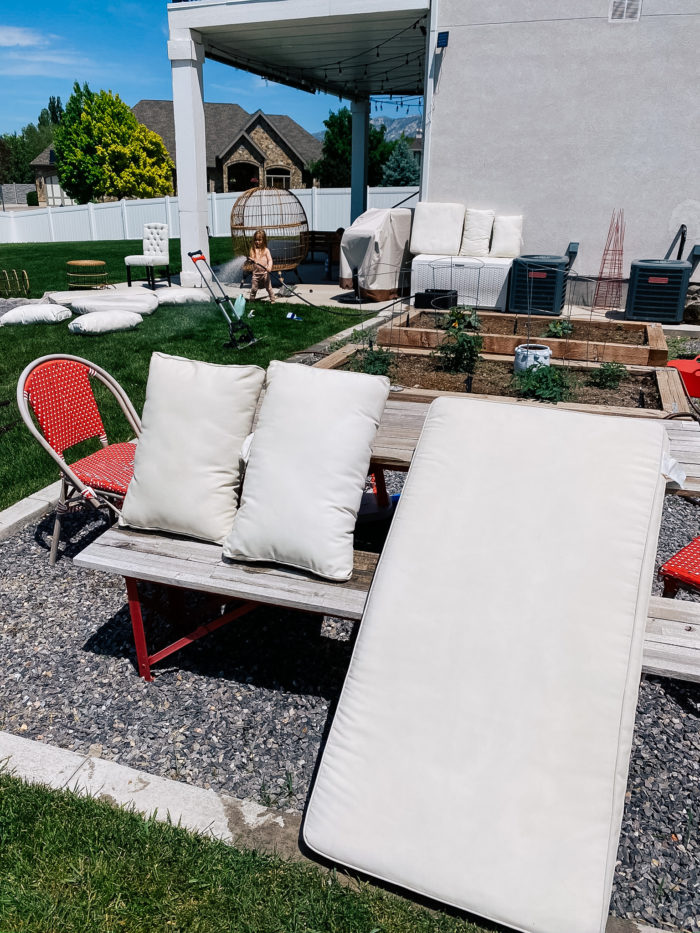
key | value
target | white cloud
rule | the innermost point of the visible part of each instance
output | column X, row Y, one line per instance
column 47, row 63
column 19, row 36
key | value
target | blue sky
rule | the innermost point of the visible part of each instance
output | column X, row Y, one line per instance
column 46, row 46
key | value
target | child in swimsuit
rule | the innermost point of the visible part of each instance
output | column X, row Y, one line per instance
column 261, row 258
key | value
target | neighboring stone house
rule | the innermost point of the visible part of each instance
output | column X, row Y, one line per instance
column 243, row 149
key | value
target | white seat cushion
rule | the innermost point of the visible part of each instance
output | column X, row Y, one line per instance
column 140, row 302
column 480, row 747
column 103, row 322
column 35, row 314
column 307, row 469
column 186, row 470
column 477, row 233
column 181, row 296
column 150, row 260
column 437, row 227
column 507, row 237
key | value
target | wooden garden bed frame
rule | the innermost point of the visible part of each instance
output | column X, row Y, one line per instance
column 668, row 382
column 653, row 353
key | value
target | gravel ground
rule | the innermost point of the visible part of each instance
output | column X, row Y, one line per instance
column 249, row 716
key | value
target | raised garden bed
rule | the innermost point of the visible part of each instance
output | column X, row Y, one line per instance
column 416, row 377
column 625, row 342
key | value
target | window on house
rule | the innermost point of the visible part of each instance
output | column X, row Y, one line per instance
column 624, row 11
column 278, row 178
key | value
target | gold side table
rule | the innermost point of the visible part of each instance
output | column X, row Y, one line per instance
column 86, row 273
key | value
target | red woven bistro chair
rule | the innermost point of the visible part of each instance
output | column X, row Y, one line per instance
column 682, row 570
column 57, row 390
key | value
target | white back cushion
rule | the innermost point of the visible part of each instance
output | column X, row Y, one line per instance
column 307, row 469
column 477, row 232
column 140, row 302
column 507, row 237
column 480, row 747
column 103, row 322
column 437, row 228
column 35, row 314
column 186, row 471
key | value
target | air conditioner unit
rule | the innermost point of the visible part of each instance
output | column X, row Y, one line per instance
column 658, row 288
column 538, row 283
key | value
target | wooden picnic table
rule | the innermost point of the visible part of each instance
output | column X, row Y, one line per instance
column 672, row 639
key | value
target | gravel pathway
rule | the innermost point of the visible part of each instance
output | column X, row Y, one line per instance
column 245, row 710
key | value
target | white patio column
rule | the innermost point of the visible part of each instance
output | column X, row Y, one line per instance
column 360, row 149
column 186, row 57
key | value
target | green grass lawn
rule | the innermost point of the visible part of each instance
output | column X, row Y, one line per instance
column 45, row 263
column 73, row 864
column 194, row 331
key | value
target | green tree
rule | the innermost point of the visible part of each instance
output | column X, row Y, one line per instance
column 55, row 109
column 104, row 152
column 20, row 148
column 401, row 168
column 333, row 168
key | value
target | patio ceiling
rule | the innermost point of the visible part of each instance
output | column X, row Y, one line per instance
column 354, row 49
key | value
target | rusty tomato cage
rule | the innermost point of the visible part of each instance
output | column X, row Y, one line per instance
column 281, row 215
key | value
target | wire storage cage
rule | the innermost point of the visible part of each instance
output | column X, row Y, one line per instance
column 281, row 215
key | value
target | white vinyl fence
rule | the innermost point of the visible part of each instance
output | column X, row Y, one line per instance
column 326, row 209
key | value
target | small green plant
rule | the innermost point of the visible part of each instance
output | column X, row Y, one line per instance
column 459, row 353
column 680, row 348
column 461, row 318
column 544, row 383
column 375, row 361
column 32, row 199
column 607, row 376
column 562, row 328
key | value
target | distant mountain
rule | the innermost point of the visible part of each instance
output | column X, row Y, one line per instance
column 409, row 126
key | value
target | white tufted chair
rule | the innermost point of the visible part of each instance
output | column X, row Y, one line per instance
column 155, row 253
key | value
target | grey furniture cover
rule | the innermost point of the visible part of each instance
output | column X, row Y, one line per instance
column 480, row 748
column 377, row 246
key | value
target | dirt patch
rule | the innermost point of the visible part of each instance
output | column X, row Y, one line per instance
column 493, row 377
column 593, row 331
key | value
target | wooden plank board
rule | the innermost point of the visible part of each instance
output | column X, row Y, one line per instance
column 671, row 644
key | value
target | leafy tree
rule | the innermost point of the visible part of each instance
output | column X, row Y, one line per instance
column 333, row 168
column 104, row 152
column 401, row 168
column 18, row 150
column 55, row 109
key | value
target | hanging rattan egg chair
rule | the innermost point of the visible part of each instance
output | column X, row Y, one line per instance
column 280, row 214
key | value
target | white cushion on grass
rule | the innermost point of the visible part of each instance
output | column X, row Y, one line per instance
column 437, row 227
column 35, row 314
column 480, row 747
column 477, row 232
column 139, row 302
column 181, row 296
column 186, row 471
column 307, row 469
column 103, row 322
column 507, row 239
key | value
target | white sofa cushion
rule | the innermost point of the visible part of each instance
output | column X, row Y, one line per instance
column 507, row 239
column 437, row 227
column 307, row 469
column 181, row 296
column 480, row 747
column 477, row 232
column 104, row 322
column 139, row 301
column 35, row 314
column 186, row 470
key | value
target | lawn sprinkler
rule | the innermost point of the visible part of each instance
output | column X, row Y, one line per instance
column 239, row 330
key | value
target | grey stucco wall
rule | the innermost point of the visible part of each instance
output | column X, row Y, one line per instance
column 543, row 107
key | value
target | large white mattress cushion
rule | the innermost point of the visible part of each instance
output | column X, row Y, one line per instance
column 186, row 470
column 480, row 747
column 181, row 296
column 35, row 314
column 437, row 227
column 104, row 322
column 307, row 469
column 477, row 232
column 141, row 302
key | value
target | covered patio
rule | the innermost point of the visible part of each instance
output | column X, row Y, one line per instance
column 350, row 49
